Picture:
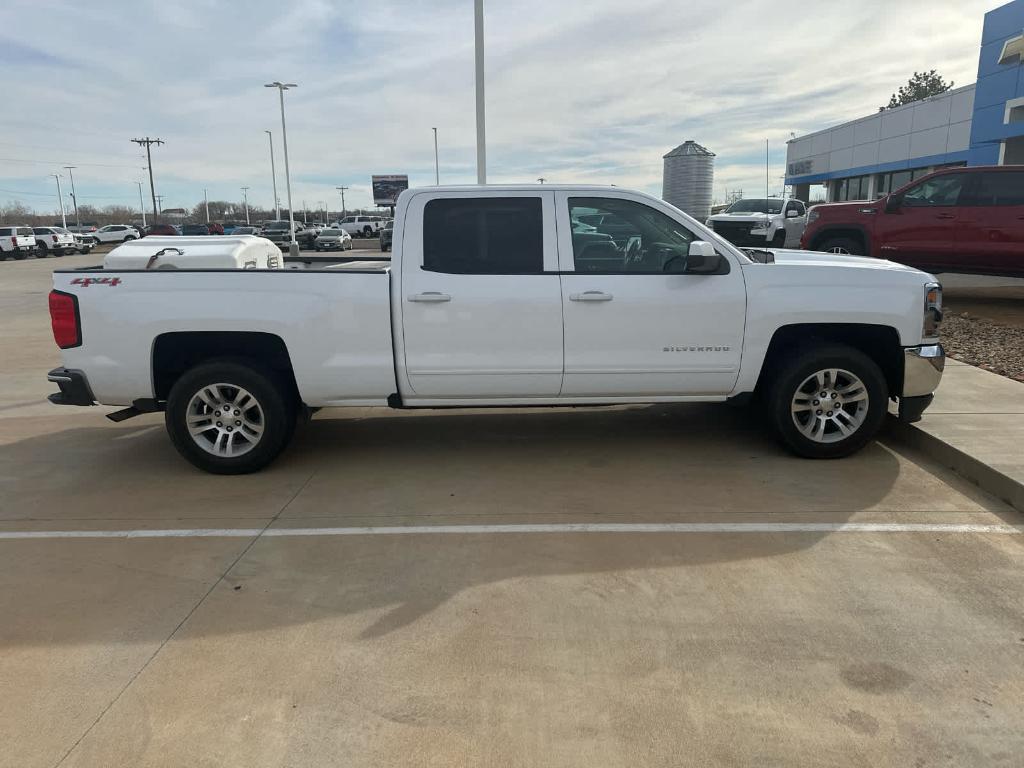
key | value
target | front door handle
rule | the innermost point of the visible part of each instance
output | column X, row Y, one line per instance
column 945, row 216
column 590, row 296
column 430, row 296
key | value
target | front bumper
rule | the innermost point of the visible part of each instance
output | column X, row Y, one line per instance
column 922, row 372
column 74, row 387
column 922, row 369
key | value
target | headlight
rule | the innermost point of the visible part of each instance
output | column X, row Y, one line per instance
column 932, row 310
column 709, row 223
column 812, row 215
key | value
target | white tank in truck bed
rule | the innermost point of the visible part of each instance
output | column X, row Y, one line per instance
column 202, row 252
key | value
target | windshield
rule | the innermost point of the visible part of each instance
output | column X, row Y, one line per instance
column 277, row 225
column 755, row 206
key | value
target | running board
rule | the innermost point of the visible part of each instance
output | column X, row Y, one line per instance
column 137, row 408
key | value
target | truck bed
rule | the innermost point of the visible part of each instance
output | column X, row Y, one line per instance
column 334, row 320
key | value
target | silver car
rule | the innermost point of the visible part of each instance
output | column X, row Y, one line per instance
column 333, row 240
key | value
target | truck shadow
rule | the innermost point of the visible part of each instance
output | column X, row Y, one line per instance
column 636, row 464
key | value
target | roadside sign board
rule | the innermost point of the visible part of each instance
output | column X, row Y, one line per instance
column 387, row 188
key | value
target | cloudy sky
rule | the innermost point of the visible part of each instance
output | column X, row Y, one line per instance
column 591, row 91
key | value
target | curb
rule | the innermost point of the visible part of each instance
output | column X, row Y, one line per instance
column 987, row 478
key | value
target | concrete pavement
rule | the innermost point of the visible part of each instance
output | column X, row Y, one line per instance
column 976, row 426
column 788, row 647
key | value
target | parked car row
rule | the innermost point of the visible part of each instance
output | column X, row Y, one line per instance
column 19, row 242
column 958, row 219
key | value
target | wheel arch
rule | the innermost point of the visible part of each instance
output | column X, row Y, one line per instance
column 176, row 352
column 881, row 343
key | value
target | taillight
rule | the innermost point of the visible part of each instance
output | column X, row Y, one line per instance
column 67, row 330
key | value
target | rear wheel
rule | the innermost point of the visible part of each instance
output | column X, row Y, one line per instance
column 229, row 418
column 842, row 245
column 44, row 250
column 20, row 255
column 828, row 401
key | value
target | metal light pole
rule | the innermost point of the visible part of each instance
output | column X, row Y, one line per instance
column 481, row 137
column 305, row 213
column 273, row 176
column 293, row 247
column 60, row 196
column 342, row 190
column 142, row 206
column 437, row 170
column 206, row 205
column 245, row 202
column 74, row 196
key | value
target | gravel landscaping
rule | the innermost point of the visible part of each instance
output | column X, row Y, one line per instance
column 994, row 347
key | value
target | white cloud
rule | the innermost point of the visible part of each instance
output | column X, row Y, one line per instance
column 578, row 90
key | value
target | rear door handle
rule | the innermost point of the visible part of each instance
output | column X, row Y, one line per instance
column 590, row 296
column 430, row 296
column 945, row 216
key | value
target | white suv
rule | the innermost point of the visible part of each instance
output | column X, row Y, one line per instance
column 364, row 226
column 762, row 222
column 116, row 233
column 18, row 242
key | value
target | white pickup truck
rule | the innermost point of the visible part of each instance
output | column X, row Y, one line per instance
column 766, row 222
column 504, row 296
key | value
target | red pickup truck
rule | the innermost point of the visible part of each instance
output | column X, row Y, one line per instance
column 952, row 220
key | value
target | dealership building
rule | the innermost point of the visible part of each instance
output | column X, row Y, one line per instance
column 979, row 124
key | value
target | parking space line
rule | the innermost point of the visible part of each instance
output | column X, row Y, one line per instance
column 406, row 530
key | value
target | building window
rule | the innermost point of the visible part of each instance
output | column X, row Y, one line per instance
column 854, row 188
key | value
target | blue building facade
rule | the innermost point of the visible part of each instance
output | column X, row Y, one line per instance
column 997, row 125
column 978, row 124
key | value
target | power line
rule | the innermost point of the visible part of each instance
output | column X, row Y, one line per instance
column 60, row 162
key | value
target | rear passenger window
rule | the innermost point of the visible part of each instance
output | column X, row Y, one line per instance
column 484, row 236
column 1000, row 189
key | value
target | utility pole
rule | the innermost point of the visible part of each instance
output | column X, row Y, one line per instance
column 481, row 134
column 74, row 196
column 437, row 170
column 293, row 246
column 147, row 143
column 206, row 205
column 273, row 176
column 142, row 205
column 60, row 196
column 245, row 201
column 342, row 190
column 159, row 204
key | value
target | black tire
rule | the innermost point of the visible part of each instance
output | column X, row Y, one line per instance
column 367, row 232
column 779, row 240
column 20, row 255
column 128, row 238
column 278, row 415
column 800, row 367
column 43, row 250
column 841, row 245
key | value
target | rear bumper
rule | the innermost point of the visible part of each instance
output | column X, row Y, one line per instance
column 74, row 387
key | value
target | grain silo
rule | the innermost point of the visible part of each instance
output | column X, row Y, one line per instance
column 688, row 177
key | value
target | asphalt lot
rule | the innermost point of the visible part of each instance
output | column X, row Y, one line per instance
column 767, row 646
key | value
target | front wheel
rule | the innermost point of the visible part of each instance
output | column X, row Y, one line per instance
column 779, row 239
column 229, row 418
column 842, row 245
column 827, row 402
column 128, row 238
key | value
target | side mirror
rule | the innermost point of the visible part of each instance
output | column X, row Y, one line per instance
column 702, row 259
column 792, row 213
column 892, row 203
